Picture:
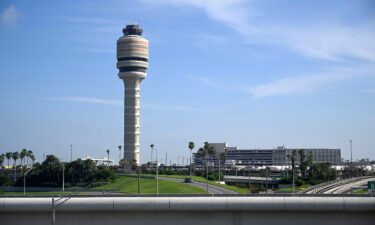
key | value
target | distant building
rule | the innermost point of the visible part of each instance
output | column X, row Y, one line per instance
column 332, row 156
column 267, row 157
column 99, row 161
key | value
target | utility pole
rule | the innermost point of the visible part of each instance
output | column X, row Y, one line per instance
column 166, row 159
column 71, row 153
column 157, row 172
column 119, row 156
column 152, row 149
column 249, row 179
column 24, row 180
column 351, row 151
column 63, row 176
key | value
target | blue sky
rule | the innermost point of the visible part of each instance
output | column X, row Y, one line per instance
column 253, row 73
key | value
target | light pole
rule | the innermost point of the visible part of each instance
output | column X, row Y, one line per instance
column 191, row 147
column 219, row 167
column 206, row 156
column 250, row 191
column 24, row 180
column 152, row 149
column 293, row 178
column 351, row 152
column 71, row 153
column 119, row 156
column 63, row 176
column 157, row 172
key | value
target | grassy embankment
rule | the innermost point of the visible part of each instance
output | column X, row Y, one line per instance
column 203, row 180
column 297, row 188
column 360, row 191
column 129, row 184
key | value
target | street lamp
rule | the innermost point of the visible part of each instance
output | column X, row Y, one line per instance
column 71, row 153
column 250, row 191
column 24, row 180
column 152, row 148
column 157, row 167
column 157, row 172
column 119, row 157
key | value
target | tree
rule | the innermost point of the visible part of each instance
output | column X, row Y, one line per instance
column 29, row 154
column 206, row 151
column 321, row 172
column 23, row 154
column 32, row 157
column 15, row 156
column 8, row 155
column 2, row 157
column 303, row 163
column 293, row 158
column 191, row 147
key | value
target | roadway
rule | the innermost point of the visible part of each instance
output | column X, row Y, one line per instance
column 337, row 187
column 212, row 189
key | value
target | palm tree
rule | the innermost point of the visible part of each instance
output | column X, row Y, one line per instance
column 15, row 156
column 191, row 147
column 292, row 158
column 32, row 157
column 2, row 157
column 29, row 154
column 8, row 155
column 302, row 164
column 205, row 152
column 22, row 155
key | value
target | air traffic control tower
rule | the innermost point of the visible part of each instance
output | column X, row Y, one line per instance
column 132, row 62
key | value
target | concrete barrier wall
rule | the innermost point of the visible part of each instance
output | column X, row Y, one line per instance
column 191, row 210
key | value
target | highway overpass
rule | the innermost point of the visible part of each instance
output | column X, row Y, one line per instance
column 190, row 210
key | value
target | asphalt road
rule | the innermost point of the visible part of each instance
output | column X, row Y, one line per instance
column 212, row 189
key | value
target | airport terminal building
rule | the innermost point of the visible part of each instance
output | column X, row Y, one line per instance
column 266, row 157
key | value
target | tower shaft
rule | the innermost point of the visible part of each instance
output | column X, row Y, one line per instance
column 132, row 119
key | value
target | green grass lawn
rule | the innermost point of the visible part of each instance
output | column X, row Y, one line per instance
column 203, row 180
column 360, row 191
column 39, row 193
column 297, row 188
column 129, row 184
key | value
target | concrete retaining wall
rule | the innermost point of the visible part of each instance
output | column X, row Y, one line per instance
column 191, row 210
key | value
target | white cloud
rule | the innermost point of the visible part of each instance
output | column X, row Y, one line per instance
column 211, row 84
column 321, row 39
column 231, row 13
column 333, row 43
column 9, row 16
column 292, row 85
column 308, row 83
column 86, row 100
column 99, row 101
